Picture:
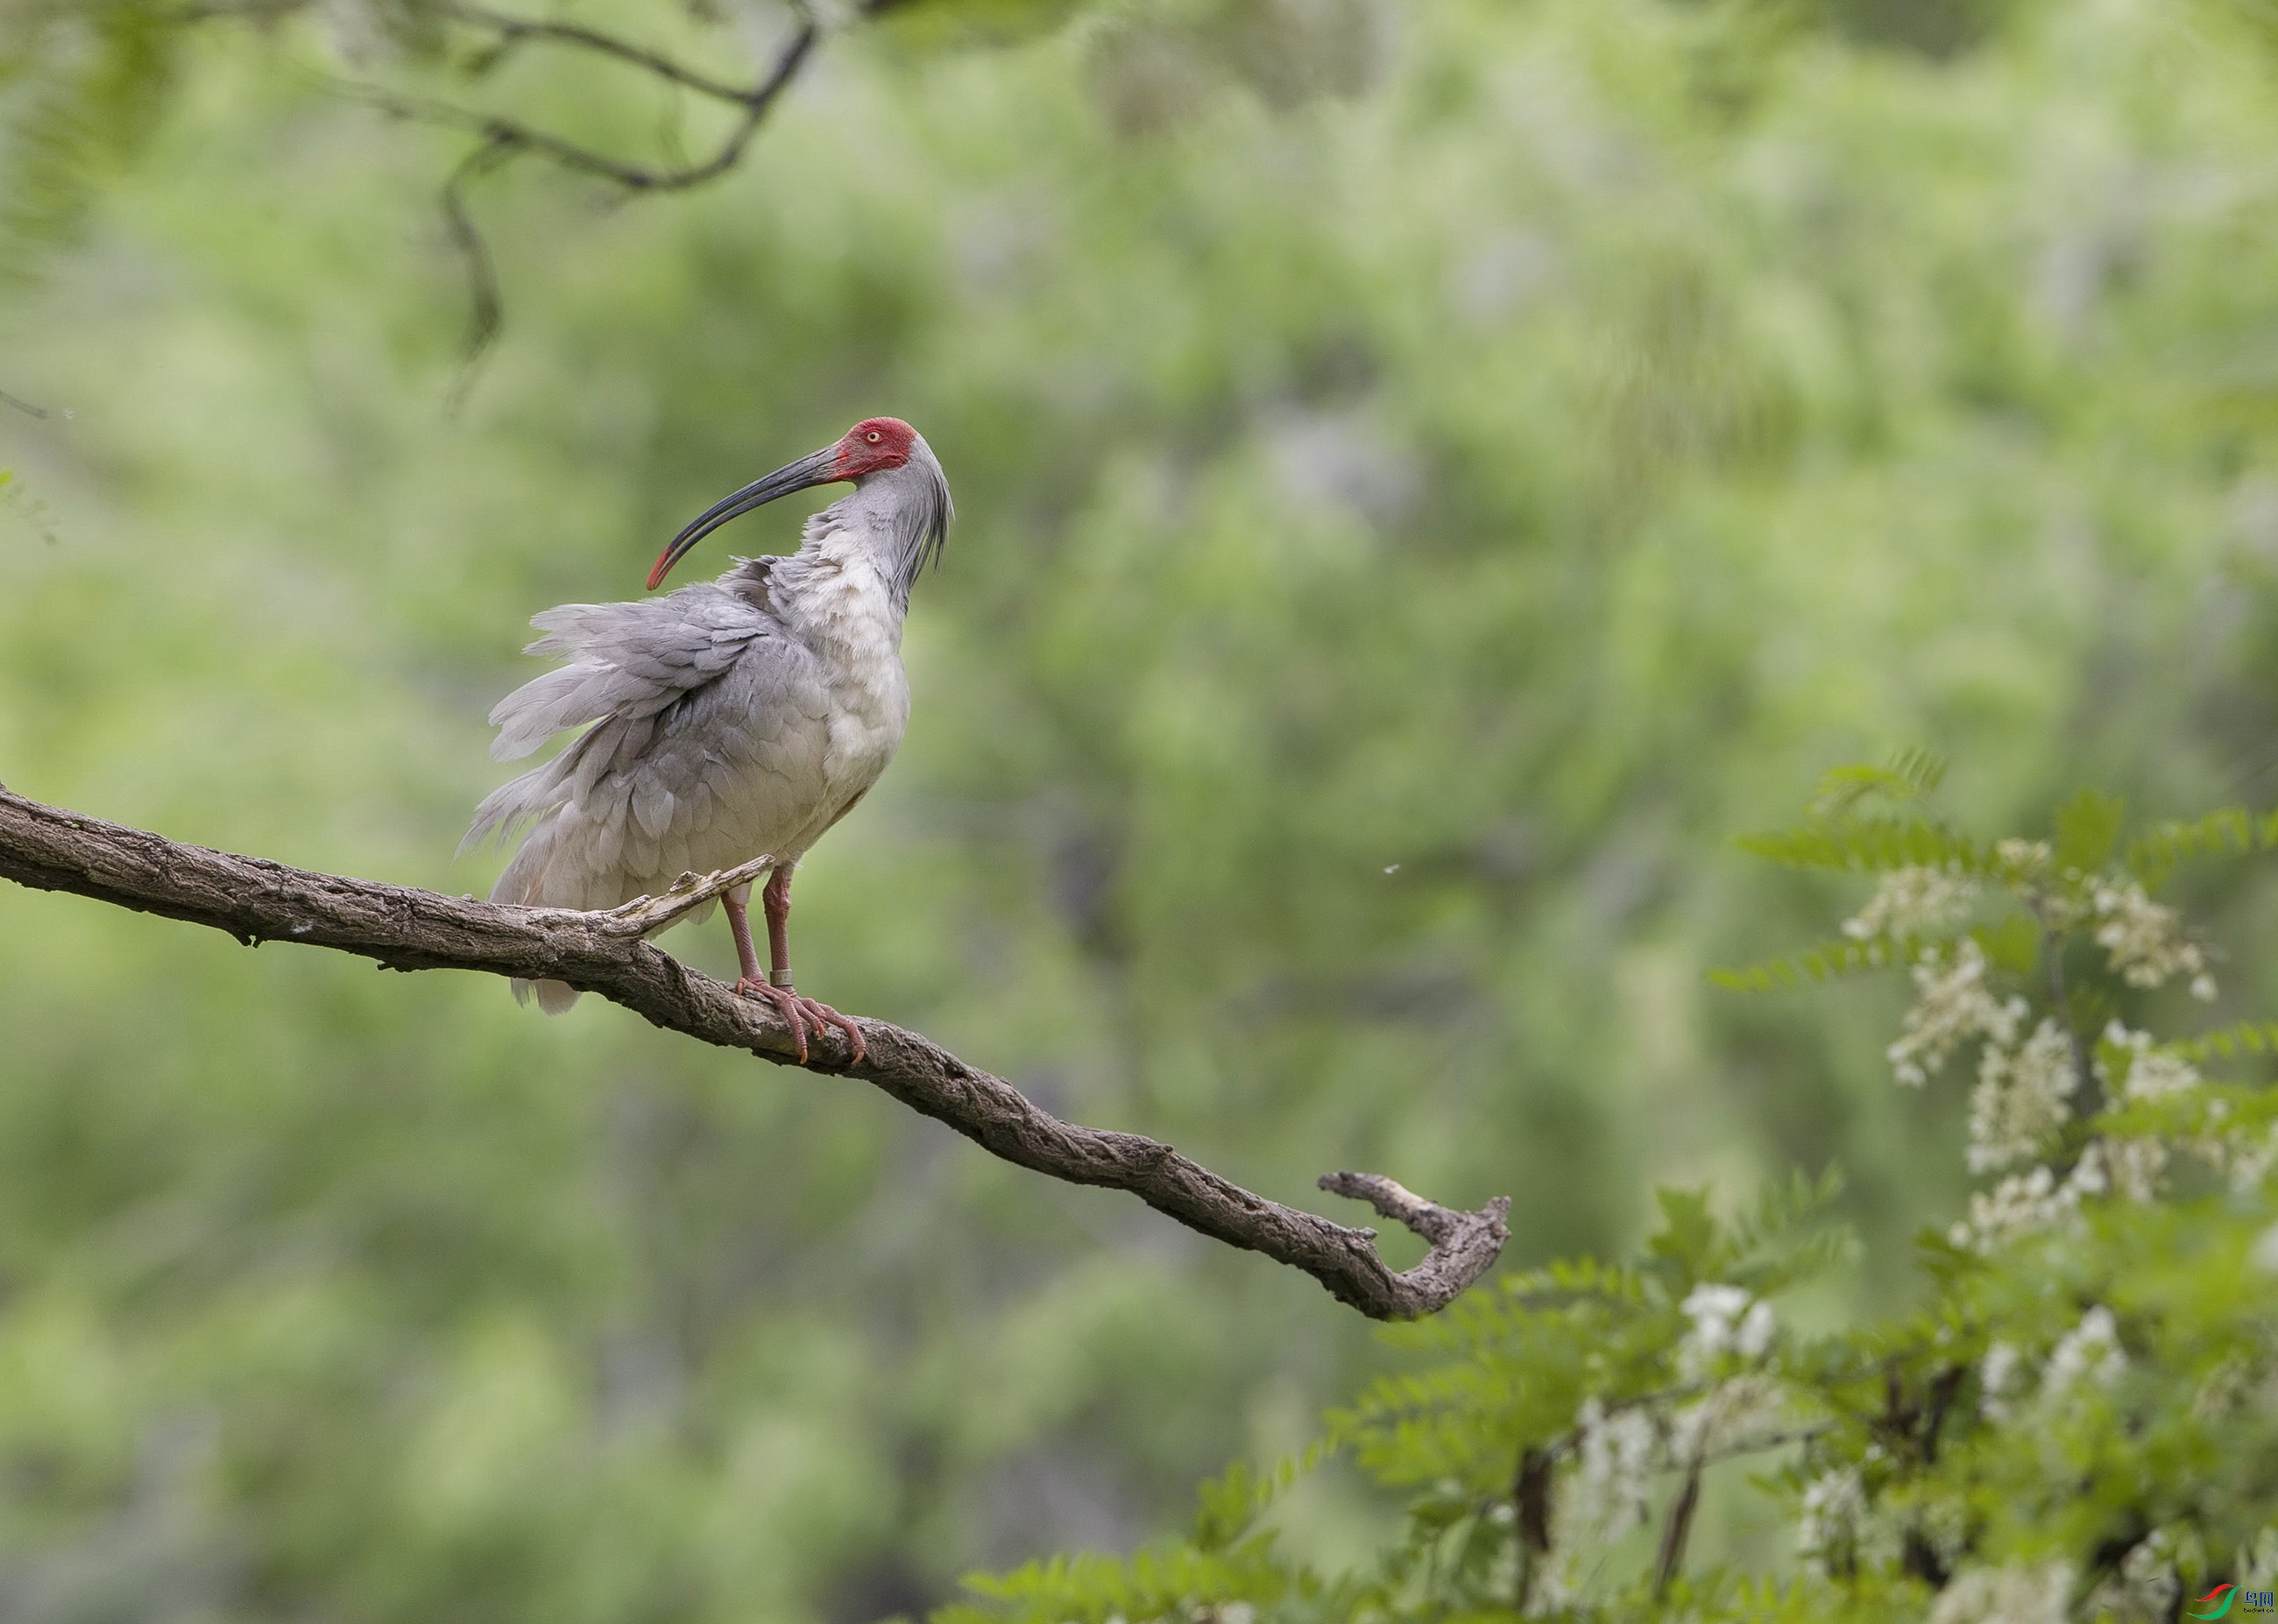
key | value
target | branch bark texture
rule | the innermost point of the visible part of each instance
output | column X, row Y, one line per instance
column 255, row 900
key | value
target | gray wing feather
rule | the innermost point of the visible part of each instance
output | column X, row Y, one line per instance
column 626, row 660
column 702, row 736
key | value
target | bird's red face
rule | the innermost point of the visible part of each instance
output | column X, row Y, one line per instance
column 872, row 445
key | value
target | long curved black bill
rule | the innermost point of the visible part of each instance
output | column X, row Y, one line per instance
column 816, row 468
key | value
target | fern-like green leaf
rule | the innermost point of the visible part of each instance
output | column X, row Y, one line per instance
column 1911, row 775
column 85, row 87
column 2246, row 1038
column 1824, row 963
column 1872, row 845
column 2014, row 944
column 1233, row 1502
column 1784, row 1208
column 2232, row 830
column 2088, row 827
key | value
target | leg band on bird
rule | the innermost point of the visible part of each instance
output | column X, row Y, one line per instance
column 780, row 978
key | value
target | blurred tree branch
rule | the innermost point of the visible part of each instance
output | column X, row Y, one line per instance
column 516, row 31
column 135, row 55
column 502, row 140
column 403, row 929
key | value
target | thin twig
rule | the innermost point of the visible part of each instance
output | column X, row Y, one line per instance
column 514, row 31
column 1677, row 1531
column 1530, row 1499
column 485, row 309
column 256, row 900
column 1764, row 1441
column 519, row 138
column 504, row 140
column 501, row 139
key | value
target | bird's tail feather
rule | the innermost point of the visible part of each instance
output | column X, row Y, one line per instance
column 530, row 880
column 514, row 803
column 554, row 997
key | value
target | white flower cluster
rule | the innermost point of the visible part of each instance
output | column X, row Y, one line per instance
column 1952, row 1005
column 2000, row 1363
column 2145, row 1588
column 2265, row 1254
column 2025, row 867
column 2235, row 1152
column 2248, row 1162
column 2259, row 1569
column 2152, row 1074
column 2030, row 1201
column 1724, row 1320
column 2157, row 1074
column 1910, row 902
column 2145, row 939
column 2023, row 859
column 2230, row 1385
column 2021, row 1203
column 2015, row 1594
column 1947, row 1525
column 2131, row 1166
column 1731, row 1413
column 1616, row 1452
column 2021, row 1098
column 2090, row 1351
column 1834, row 1504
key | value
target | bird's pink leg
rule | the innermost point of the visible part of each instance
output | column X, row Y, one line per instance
column 777, row 987
column 739, row 924
column 747, row 963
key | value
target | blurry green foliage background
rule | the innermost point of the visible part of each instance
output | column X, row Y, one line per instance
column 1428, row 477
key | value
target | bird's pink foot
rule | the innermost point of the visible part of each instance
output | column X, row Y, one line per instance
column 798, row 1013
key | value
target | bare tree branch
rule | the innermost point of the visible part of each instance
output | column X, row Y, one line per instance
column 471, row 37
column 513, row 138
column 514, row 31
column 256, row 900
column 502, row 140
column 1677, row 1531
column 486, row 308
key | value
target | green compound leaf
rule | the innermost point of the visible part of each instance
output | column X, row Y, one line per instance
column 1874, row 845
column 1233, row 1502
column 2014, row 945
column 1824, row 963
column 2088, row 827
column 2228, row 1043
column 1911, row 775
column 2233, row 830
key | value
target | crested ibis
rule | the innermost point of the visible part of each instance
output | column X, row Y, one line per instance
column 726, row 722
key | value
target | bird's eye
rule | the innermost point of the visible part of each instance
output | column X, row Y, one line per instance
column 874, row 437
